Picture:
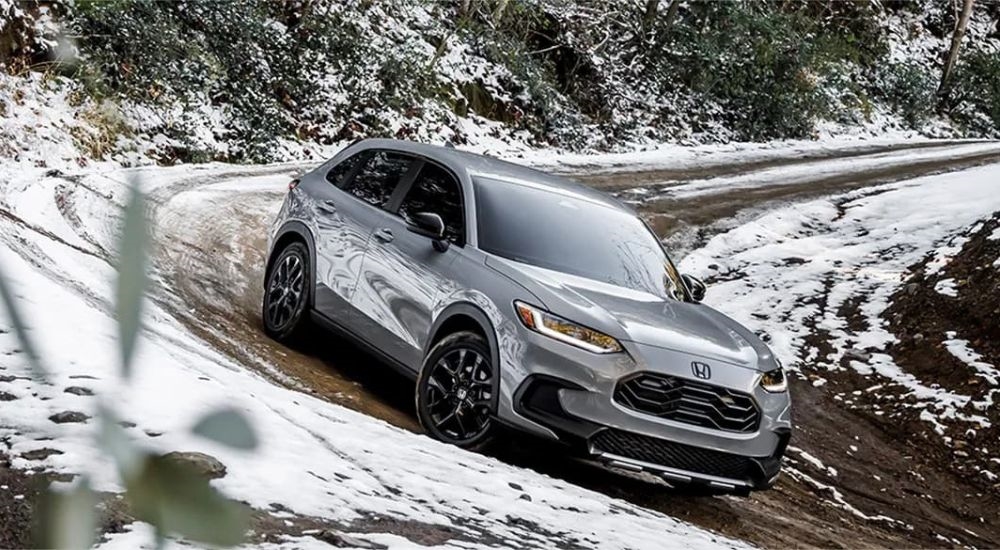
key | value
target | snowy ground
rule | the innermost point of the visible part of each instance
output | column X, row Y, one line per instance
column 319, row 459
column 792, row 271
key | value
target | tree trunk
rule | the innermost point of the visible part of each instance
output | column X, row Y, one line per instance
column 649, row 14
column 671, row 13
column 956, row 42
column 464, row 7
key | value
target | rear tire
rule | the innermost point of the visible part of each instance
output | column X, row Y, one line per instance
column 286, row 294
column 456, row 392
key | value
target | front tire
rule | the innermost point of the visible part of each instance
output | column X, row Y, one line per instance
column 286, row 294
column 456, row 391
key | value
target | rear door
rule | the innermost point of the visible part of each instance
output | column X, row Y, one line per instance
column 403, row 276
column 347, row 212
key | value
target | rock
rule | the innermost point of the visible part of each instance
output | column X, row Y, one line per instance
column 67, row 417
column 515, row 486
column 4, row 396
column 340, row 540
column 126, row 424
column 204, row 465
column 911, row 288
column 40, row 454
column 525, row 496
column 918, row 337
column 79, row 390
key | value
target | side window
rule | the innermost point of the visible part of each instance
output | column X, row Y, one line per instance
column 436, row 191
column 378, row 177
column 338, row 174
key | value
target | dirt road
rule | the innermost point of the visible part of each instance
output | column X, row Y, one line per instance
column 211, row 236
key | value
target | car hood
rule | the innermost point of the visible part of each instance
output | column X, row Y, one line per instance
column 642, row 317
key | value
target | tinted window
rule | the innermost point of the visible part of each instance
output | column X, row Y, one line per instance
column 572, row 235
column 339, row 173
column 436, row 191
column 378, row 177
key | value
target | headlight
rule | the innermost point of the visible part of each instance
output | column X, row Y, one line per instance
column 569, row 332
column 774, row 381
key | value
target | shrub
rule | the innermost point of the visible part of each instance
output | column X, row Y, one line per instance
column 760, row 65
column 976, row 93
column 910, row 89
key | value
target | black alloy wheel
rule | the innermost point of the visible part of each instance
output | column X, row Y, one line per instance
column 287, row 293
column 456, row 391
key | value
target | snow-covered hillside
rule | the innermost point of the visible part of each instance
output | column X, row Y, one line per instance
column 271, row 81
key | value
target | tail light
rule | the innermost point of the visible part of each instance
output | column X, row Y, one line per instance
column 294, row 183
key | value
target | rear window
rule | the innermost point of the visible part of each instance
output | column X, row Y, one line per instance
column 338, row 174
column 379, row 177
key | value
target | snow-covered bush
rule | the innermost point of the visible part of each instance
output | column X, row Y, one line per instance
column 264, row 80
column 977, row 93
column 909, row 88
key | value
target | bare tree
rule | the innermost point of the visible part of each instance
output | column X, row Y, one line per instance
column 944, row 88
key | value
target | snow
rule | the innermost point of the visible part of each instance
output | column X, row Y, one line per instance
column 946, row 287
column 684, row 157
column 813, row 171
column 812, row 460
column 140, row 536
column 963, row 352
column 854, row 246
column 317, row 458
column 837, row 499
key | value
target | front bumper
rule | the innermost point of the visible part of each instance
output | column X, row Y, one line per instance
column 568, row 394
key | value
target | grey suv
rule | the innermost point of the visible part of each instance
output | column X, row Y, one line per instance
column 519, row 298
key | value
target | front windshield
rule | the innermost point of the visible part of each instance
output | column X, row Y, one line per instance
column 575, row 235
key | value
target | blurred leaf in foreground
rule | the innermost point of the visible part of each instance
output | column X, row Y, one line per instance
column 229, row 427
column 14, row 315
column 131, row 274
column 67, row 519
column 113, row 440
column 176, row 500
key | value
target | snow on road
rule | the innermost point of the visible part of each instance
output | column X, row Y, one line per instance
column 317, row 459
column 806, row 268
column 814, row 171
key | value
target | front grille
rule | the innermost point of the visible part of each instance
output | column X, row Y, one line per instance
column 690, row 402
column 675, row 455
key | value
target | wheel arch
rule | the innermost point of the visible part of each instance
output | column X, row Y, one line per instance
column 294, row 231
column 468, row 316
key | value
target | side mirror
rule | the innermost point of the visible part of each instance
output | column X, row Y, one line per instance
column 696, row 286
column 430, row 225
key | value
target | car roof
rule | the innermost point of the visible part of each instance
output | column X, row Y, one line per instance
column 476, row 165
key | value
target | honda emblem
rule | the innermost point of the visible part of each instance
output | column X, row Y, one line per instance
column 701, row 370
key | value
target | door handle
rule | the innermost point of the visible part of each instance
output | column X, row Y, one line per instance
column 384, row 235
column 327, row 206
